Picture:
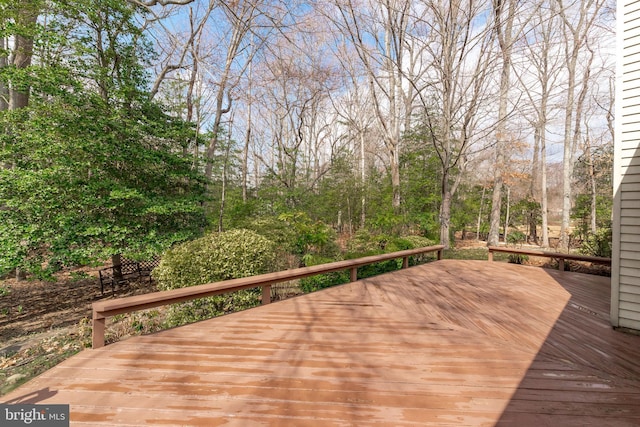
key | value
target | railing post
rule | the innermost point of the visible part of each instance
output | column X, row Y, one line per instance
column 354, row 274
column 405, row 262
column 561, row 264
column 266, row 294
column 439, row 254
column 97, row 331
column 490, row 255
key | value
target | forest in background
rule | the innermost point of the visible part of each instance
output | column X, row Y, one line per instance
column 130, row 126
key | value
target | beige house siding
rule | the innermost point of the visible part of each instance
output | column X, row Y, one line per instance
column 625, row 278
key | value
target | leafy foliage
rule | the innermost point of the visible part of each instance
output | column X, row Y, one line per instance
column 92, row 167
column 517, row 258
column 516, row 237
column 598, row 243
column 215, row 257
column 581, row 212
column 363, row 244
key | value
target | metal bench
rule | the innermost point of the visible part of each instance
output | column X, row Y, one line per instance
column 125, row 272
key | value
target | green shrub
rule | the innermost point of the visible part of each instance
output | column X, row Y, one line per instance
column 362, row 244
column 322, row 281
column 215, row 257
column 517, row 258
column 516, row 237
column 598, row 243
column 276, row 230
column 365, row 243
column 418, row 241
column 312, row 236
column 379, row 268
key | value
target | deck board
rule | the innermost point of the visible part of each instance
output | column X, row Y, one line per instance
column 448, row 343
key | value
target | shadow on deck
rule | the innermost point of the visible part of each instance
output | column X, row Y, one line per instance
column 447, row 343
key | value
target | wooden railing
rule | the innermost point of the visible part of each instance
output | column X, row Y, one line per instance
column 561, row 257
column 105, row 309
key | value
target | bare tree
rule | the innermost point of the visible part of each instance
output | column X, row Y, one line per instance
column 353, row 109
column 504, row 15
column 579, row 19
column 538, row 74
column 241, row 21
column 176, row 48
column 377, row 32
column 459, row 66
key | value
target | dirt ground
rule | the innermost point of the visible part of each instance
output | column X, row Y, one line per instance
column 29, row 308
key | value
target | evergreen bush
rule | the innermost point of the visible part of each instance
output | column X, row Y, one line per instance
column 598, row 243
column 215, row 257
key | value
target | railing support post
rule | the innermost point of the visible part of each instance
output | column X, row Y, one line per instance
column 490, row 255
column 561, row 264
column 405, row 262
column 439, row 254
column 97, row 331
column 266, row 294
column 354, row 274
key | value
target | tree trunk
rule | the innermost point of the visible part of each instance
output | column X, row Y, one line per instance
column 480, row 213
column 4, row 61
column 592, row 188
column 575, row 37
column 504, row 31
column 23, row 53
column 496, row 206
column 116, row 261
column 223, row 194
column 506, row 219
column 395, row 179
column 363, row 200
column 543, row 189
column 534, row 187
column 247, row 141
column 445, row 217
column 245, row 160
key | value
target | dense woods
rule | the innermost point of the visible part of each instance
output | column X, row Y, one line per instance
column 130, row 126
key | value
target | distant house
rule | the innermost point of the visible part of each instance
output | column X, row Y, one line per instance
column 625, row 273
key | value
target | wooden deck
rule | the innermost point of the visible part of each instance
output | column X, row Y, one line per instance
column 447, row 343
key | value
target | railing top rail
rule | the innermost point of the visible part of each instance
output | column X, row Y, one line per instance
column 102, row 309
column 534, row 252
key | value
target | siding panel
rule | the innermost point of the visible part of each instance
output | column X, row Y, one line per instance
column 625, row 273
column 630, row 212
column 630, row 309
column 630, row 255
column 630, row 289
column 630, row 263
column 630, row 204
column 634, row 247
column 630, row 238
column 631, row 298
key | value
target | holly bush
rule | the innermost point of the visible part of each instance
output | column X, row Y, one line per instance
column 215, row 257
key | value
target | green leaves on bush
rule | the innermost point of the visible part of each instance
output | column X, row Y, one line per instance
column 598, row 243
column 516, row 237
column 364, row 244
column 215, row 257
column 322, row 281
